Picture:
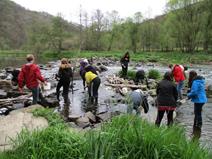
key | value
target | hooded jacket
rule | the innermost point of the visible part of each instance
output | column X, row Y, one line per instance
column 30, row 74
column 197, row 92
column 65, row 73
column 178, row 73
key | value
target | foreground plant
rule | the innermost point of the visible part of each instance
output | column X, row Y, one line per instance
column 125, row 137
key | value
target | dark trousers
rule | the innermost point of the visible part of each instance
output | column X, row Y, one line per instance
column 161, row 114
column 65, row 85
column 38, row 97
column 198, row 114
column 124, row 71
column 93, row 87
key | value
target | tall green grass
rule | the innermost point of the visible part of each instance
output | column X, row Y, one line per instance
column 131, row 138
column 154, row 74
column 125, row 137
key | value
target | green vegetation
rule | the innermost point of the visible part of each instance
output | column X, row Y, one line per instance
column 130, row 74
column 154, row 74
column 125, row 136
column 160, row 57
column 186, row 27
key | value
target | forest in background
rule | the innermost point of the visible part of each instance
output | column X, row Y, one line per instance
column 186, row 27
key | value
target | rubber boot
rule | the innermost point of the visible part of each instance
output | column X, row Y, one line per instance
column 196, row 133
column 66, row 99
column 96, row 101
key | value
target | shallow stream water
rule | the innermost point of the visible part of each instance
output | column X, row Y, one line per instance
column 108, row 98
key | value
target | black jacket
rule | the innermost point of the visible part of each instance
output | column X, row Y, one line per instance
column 166, row 93
column 65, row 73
column 124, row 61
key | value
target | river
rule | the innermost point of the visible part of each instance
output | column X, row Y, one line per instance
column 108, row 98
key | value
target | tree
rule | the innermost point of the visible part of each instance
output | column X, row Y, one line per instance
column 38, row 37
column 185, row 15
column 113, row 20
column 58, row 33
column 207, row 24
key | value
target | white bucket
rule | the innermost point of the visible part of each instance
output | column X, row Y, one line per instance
column 47, row 86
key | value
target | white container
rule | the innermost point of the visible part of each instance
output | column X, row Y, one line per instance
column 47, row 86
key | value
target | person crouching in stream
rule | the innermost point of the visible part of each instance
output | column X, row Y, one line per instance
column 137, row 99
column 197, row 95
column 93, row 83
column 166, row 99
column 64, row 75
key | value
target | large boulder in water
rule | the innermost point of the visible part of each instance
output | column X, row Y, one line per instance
column 209, row 91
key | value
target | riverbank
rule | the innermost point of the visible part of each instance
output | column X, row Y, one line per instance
column 125, row 136
column 156, row 57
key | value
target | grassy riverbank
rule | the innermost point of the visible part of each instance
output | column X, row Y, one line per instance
column 126, row 137
column 160, row 57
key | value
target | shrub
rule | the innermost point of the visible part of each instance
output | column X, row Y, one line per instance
column 154, row 74
column 130, row 74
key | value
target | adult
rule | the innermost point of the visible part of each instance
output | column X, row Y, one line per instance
column 14, row 79
column 179, row 77
column 93, row 83
column 141, row 78
column 83, row 64
column 30, row 75
column 197, row 95
column 137, row 99
column 64, row 75
column 124, row 64
column 166, row 99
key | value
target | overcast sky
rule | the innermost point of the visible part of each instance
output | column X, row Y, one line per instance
column 70, row 9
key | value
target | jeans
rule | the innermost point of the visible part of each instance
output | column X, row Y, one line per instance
column 198, row 114
column 37, row 96
column 179, row 89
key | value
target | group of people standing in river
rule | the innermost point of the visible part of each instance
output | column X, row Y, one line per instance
column 168, row 91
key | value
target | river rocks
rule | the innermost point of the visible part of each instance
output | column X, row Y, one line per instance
column 12, row 124
column 5, row 84
column 3, row 76
column 104, row 117
column 91, row 117
column 3, row 94
column 9, row 69
column 83, row 122
column 209, row 91
column 73, row 118
column 4, row 111
column 152, row 92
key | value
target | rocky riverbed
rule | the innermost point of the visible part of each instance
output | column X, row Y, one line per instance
column 81, row 114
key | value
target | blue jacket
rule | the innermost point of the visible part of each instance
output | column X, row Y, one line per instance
column 197, row 93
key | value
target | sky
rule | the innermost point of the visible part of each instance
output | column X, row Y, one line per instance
column 70, row 9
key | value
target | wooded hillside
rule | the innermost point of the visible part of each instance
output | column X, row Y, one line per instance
column 17, row 23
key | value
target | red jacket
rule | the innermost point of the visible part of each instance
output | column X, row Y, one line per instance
column 178, row 73
column 29, row 75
